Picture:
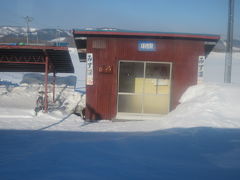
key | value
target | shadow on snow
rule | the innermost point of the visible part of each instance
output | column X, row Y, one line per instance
column 195, row 153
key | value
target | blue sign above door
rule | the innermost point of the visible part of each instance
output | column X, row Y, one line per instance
column 146, row 45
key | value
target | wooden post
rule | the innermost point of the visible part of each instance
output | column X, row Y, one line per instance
column 46, row 85
column 54, row 82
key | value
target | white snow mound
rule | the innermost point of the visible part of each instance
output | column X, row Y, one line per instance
column 204, row 105
column 24, row 97
column 211, row 105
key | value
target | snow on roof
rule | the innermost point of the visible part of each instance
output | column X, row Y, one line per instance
column 61, row 39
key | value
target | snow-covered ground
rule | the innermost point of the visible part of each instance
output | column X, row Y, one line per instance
column 204, row 105
column 193, row 153
column 200, row 139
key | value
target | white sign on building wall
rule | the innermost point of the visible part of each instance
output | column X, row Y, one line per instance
column 201, row 61
column 89, row 69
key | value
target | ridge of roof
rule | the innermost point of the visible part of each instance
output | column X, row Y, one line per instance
column 118, row 32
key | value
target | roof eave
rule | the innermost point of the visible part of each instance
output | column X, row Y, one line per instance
column 146, row 34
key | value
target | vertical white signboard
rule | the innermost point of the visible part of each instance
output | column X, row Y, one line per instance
column 89, row 69
column 201, row 61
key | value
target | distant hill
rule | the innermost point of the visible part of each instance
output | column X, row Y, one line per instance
column 17, row 34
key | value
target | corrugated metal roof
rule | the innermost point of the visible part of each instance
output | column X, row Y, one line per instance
column 148, row 34
column 31, row 58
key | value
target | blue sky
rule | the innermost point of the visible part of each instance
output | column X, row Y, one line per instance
column 196, row 16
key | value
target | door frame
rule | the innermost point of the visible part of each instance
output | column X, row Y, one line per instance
column 144, row 62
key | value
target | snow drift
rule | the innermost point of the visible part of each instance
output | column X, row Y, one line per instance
column 204, row 105
column 25, row 96
column 211, row 105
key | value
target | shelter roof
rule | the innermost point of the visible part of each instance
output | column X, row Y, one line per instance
column 143, row 34
column 32, row 58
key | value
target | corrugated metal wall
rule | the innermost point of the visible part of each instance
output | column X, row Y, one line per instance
column 102, row 96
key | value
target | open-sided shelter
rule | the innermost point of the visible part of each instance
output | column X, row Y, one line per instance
column 45, row 59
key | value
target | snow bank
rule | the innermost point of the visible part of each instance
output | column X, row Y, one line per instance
column 24, row 97
column 208, row 105
column 205, row 105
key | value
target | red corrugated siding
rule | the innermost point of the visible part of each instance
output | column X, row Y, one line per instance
column 102, row 96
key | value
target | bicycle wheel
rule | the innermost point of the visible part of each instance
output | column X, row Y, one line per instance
column 39, row 104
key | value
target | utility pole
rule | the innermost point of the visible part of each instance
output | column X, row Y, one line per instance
column 37, row 36
column 58, row 31
column 28, row 19
column 228, row 58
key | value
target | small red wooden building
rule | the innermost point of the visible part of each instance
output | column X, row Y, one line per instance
column 138, row 73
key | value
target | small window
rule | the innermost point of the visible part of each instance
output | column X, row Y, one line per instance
column 82, row 44
column 99, row 44
column 82, row 48
column 82, row 57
